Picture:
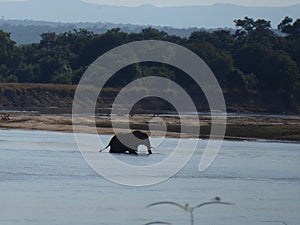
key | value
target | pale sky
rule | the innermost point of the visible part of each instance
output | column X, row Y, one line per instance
column 189, row 2
column 197, row 2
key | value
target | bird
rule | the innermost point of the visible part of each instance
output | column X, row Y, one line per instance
column 188, row 208
column 158, row 222
column 273, row 221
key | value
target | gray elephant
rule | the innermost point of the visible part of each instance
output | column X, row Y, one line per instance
column 128, row 142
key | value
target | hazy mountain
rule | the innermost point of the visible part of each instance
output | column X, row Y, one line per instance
column 218, row 15
column 29, row 31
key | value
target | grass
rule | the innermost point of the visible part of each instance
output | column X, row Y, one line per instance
column 272, row 132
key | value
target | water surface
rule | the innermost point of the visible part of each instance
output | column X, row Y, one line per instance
column 44, row 180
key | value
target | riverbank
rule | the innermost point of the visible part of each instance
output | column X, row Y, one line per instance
column 286, row 128
column 57, row 99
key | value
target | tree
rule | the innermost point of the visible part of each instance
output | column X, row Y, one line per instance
column 262, row 25
column 291, row 42
column 287, row 27
column 275, row 70
column 99, row 44
column 278, row 72
column 244, row 26
column 250, row 31
column 153, row 34
column 10, row 57
column 48, row 40
column 252, row 58
column 77, row 42
column 220, row 63
column 221, row 39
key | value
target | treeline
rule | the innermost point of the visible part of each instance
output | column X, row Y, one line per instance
column 18, row 29
column 253, row 57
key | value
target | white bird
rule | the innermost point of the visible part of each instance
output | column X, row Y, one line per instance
column 158, row 222
column 188, row 208
column 275, row 221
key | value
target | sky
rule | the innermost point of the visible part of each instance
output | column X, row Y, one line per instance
column 162, row 3
column 197, row 2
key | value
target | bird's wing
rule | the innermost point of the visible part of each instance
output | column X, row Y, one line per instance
column 213, row 202
column 165, row 202
column 274, row 221
column 158, row 222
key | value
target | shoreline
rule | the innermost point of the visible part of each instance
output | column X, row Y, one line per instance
column 286, row 129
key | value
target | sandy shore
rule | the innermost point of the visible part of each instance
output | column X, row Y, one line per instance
column 238, row 128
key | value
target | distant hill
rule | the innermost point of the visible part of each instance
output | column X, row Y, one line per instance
column 29, row 31
column 218, row 15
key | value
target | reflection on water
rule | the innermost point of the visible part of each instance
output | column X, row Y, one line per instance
column 44, row 180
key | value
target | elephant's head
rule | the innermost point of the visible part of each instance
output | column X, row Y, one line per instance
column 144, row 138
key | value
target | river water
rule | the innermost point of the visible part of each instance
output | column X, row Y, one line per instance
column 44, row 180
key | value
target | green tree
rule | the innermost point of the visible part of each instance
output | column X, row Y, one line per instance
column 275, row 70
column 77, row 42
column 10, row 57
column 99, row 44
column 244, row 26
column 153, row 34
column 220, row 63
column 291, row 42
column 249, row 31
column 287, row 27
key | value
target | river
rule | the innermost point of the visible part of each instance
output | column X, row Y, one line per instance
column 44, row 180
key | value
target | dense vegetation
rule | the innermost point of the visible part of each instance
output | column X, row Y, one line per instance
column 252, row 58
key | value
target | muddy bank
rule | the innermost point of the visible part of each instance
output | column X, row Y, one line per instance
column 238, row 128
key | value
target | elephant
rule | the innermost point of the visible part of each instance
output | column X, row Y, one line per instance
column 128, row 142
